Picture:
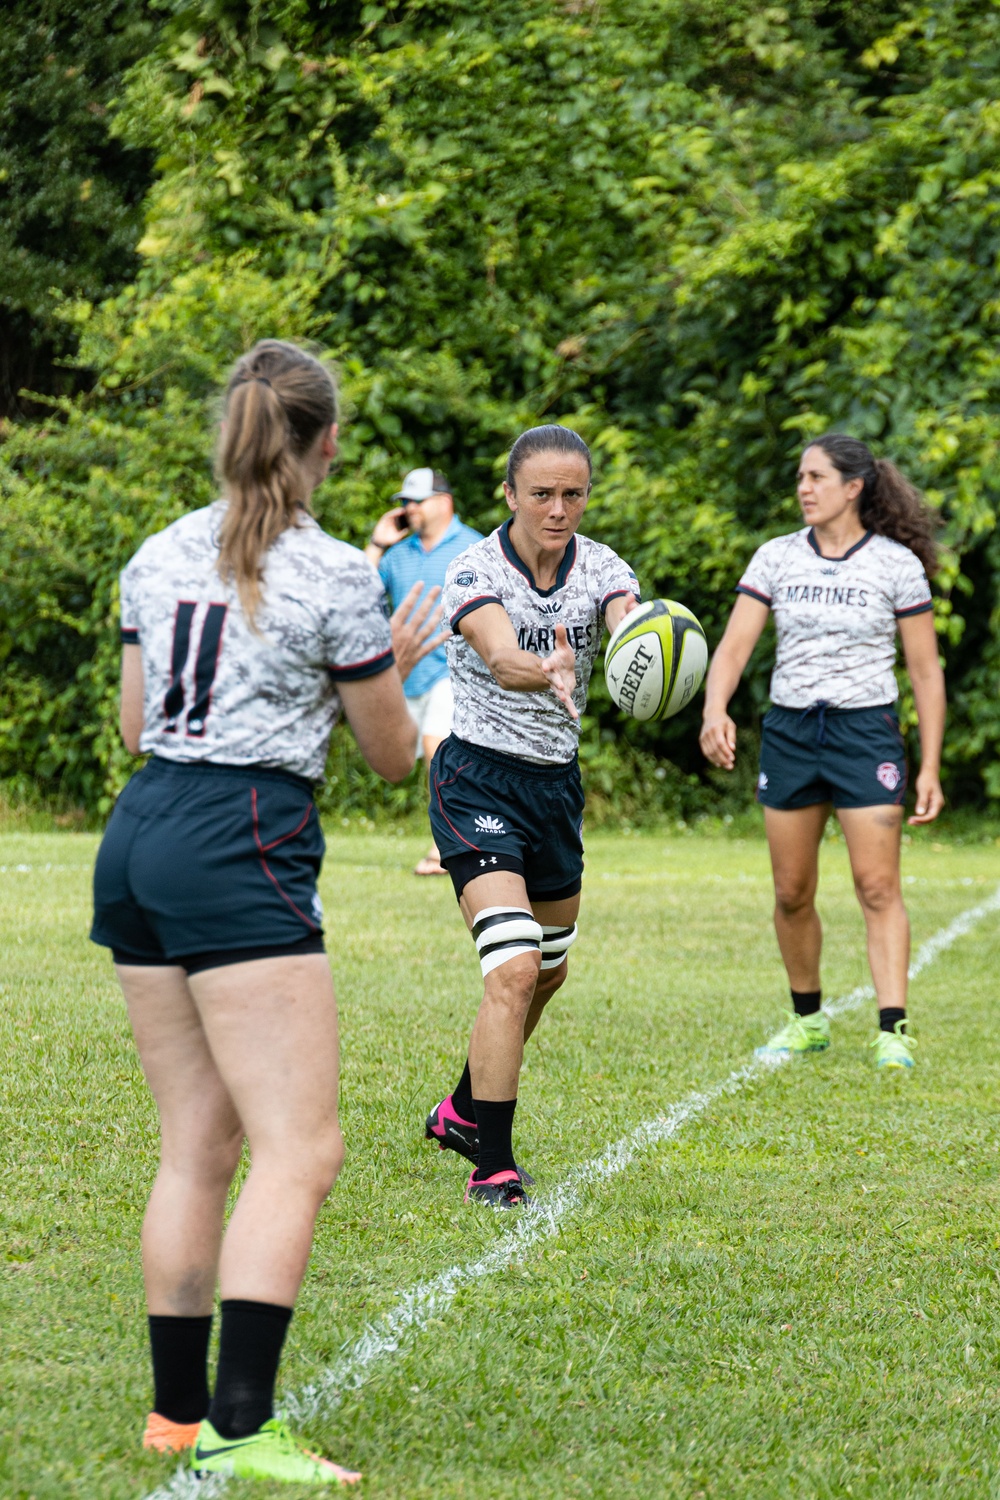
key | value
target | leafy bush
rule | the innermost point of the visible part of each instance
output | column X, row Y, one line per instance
column 70, row 192
column 698, row 232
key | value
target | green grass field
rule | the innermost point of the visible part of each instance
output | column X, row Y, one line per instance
column 795, row 1296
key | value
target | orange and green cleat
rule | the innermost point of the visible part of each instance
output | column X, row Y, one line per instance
column 270, row 1453
column 169, row 1437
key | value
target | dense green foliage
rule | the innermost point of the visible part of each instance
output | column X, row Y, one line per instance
column 70, row 192
column 697, row 230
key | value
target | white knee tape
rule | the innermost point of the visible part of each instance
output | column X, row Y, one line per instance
column 502, row 932
column 555, row 943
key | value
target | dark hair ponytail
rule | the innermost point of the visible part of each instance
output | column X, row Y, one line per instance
column 278, row 400
column 888, row 504
column 548, row 439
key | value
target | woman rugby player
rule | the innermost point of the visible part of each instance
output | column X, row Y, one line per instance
column 839, row 591
column 244, row 627
column 527, row 606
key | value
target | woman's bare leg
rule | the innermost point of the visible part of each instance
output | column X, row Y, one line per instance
column 272, row 1029
column 873, row 838
column 550, row 914
column 200, row 1135
column 793, row 838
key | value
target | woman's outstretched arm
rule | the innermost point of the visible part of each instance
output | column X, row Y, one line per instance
column 718, row 732
column 920, row 648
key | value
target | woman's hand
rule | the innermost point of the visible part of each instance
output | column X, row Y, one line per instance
column 718, row 740
column 930, row 797
column 560, row 669
column 415, row 635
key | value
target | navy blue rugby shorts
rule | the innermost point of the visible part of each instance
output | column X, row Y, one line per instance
column 852, row 757
column 491, row 811
column 203, row 865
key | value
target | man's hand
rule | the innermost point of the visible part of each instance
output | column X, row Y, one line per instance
column 415, row 635
column 387, row 530
column 718, row 741
column 560, row 669
column 930, row 797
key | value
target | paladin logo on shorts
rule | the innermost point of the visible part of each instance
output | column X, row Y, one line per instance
column 889, row 775
column 486, row 824
column 762, row 781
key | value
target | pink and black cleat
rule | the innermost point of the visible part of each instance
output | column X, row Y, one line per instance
column 502, row 1190
column 451, row 1132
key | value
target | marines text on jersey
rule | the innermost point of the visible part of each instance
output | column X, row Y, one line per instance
column 217, row 690
column 533, row 726
column 836, row 617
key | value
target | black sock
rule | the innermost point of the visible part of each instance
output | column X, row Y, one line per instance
column 495, row 1121
column 179, row 1347
column 806, row 1002
column 249, row 1351
column 888, row 1017
column 461, row 1095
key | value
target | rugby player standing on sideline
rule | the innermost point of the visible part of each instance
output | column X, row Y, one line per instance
column 528, row 607
column 244, row 629
column 839, row 590
column 414, row 543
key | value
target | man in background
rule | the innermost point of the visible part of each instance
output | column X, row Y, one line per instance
column 414, row 543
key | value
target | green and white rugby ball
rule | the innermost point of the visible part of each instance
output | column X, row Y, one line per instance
column 656, row 660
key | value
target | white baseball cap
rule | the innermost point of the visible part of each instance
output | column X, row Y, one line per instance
column 421, row 484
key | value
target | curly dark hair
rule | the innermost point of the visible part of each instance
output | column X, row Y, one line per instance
column 888, row 504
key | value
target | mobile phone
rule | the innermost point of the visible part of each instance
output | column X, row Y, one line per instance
column 402, row 524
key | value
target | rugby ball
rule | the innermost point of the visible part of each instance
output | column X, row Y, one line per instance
column 656, row 660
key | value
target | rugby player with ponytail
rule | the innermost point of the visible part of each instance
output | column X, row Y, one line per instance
column 245, row 628
column 840, row 591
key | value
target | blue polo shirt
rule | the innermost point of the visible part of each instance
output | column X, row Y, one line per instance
column 406, row 563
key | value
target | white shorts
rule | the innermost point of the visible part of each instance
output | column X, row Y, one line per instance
column 431, row 712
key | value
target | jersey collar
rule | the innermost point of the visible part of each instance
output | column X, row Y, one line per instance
column 811, row 539
column 454, row 529
column 565, row 566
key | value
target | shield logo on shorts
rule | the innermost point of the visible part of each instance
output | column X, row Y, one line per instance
column 889, row 775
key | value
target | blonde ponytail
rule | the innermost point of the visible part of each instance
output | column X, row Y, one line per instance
column 278, row 401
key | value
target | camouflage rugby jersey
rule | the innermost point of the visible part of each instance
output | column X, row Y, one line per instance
column 216, row 690
column 836, row 617
column 532, row 726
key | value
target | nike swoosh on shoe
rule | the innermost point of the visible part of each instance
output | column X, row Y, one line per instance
column 200, row 1452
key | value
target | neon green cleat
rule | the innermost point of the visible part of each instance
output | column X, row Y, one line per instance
column 801, row 1034
column 893, row 1048
column 270, row 1453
